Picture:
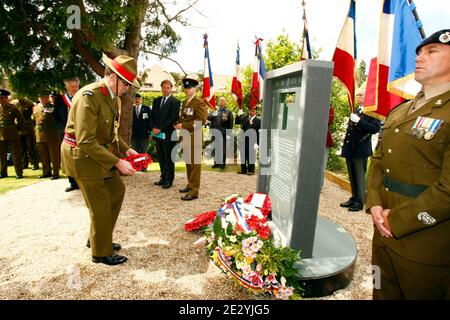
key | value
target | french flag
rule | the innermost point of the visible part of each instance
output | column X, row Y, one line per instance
column 236, row 84
column 306, row 48
column 345, row 54
column 208, row 85
column 391, row 75
column 259, row 71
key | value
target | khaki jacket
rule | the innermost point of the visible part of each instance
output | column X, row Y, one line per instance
column 92, row 121
column 420, row 224
column 195, row 110
column 46, row 129
column 11, row 121
column 26, row 109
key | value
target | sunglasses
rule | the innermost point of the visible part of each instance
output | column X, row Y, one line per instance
column 126, row 84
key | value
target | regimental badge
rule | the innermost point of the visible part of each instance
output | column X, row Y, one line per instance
column 188, row 111
column 88, row 93
column 426, row 218
column 145, row 116
column 425, row 127
column 439, row 102
column 445, row 37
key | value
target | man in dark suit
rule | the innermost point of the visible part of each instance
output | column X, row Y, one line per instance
column 140, row 130
column 63, row 104
column 356, row 149
column 165, row 114
column 221, row 120
column 248, row 156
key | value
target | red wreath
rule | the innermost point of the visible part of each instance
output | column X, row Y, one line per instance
column 200, row 220
column 139, row 161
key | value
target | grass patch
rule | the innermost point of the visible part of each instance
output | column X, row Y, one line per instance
column 32, row 176
column 29, row 177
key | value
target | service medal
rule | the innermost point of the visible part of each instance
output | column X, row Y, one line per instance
column 429, row 135
column 421, row 133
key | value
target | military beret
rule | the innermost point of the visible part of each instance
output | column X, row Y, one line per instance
column 442, row 36
column 137, row 95
column 189, row 83
column 4, row 93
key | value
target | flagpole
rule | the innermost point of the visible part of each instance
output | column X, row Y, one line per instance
column 416, row 17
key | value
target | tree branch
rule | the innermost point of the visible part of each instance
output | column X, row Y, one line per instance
column 176, row 16
column 161, row 56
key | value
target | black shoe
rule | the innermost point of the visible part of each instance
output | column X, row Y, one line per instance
column 19, row 176
column 222, row 166
column 3, row 176
column 45, row 176
column 35, row 167
column 54, row 178
column 250, row 173
column 71, row 188
column 116, row 246
column 215, row 166
column 242, row 172
column 347, row 204
column 110, row 260
column 159, row 183
column 166, row 185
column 355, row 207
column 188, row 197
column 185, row 190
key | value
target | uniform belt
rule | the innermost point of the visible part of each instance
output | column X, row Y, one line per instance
column 409, row 190
column 70, row 139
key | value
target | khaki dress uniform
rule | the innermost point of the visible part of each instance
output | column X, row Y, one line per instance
column 195, row 110
column 47, row 139
column 27, row 134
column 10, row 121
column 92, row 124
column 410, row 175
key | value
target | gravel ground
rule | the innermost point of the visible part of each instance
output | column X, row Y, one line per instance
column 43, row 232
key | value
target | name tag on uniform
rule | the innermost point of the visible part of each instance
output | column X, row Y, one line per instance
column 426, row 127
column 145, row 116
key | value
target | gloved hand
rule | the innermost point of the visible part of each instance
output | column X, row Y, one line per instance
column 354, row 118
column 215, row 114
column 255, row 147
column 240, row 112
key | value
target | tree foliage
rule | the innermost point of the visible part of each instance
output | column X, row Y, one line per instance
column 39, row 47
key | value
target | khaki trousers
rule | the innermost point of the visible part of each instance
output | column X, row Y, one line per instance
column 405, row 279
column 49, row 153
column 104, row 199
column 14, row 145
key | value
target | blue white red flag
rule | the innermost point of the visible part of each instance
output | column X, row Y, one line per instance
column 259, row 71
column 400, row 34
column 306, row 48
column 208, row 85
column 345, row 54
column 236, row 84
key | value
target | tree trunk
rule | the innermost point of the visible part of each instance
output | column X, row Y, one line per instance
column 132, row 43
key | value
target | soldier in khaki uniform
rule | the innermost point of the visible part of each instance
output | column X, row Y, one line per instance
column 27, row 135
column 92, row 125
column 47, row 137
column 11, row 122
column 193, row 115
column 408, row 187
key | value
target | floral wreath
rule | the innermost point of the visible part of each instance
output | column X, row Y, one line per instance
column 239, row 241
